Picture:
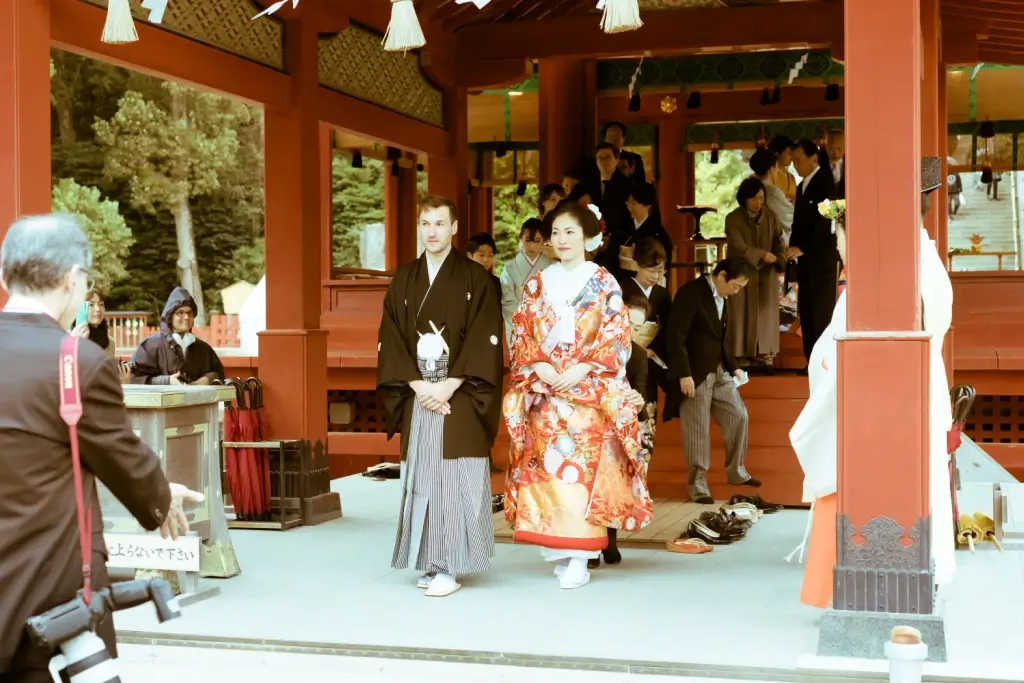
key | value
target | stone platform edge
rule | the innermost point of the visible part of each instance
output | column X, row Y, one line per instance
column 652, row 668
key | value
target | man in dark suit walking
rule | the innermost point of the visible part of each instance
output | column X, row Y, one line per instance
column 703, row 374
column 44, row 266
column 615, row 135
column 813, row 245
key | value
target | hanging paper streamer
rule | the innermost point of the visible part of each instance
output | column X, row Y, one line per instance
column 636, row 74
column 276, row 6
column 619, row 15
column 119, row 27
column 404, row 32
column 156, row 10
column 798, row 67
column 480, row 4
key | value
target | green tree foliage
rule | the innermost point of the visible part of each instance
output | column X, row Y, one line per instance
column 165, row 158
column 357, row 200
column 510, row 212
column 247, row 263
column 226, row 220
column 109, row 235
column 716, row 185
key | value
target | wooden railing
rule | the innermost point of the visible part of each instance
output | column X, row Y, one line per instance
column 129, row 328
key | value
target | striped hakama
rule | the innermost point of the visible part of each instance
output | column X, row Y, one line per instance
column 445, row 523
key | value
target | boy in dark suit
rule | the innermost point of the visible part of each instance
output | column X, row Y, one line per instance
column 701, row 372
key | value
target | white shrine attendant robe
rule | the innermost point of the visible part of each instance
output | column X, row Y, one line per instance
column 814, row 435
column 937, row 300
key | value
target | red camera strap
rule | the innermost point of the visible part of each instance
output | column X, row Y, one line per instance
column 71, row 413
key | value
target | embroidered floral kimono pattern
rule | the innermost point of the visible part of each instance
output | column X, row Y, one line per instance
column 576, row 464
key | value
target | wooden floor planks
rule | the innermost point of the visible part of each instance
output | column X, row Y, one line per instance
column 671, row 518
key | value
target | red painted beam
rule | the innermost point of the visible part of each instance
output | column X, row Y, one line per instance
column 77, row 26
column 386, row 126
column 794, row 24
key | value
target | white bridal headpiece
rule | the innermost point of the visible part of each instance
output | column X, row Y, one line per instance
column 592, row 244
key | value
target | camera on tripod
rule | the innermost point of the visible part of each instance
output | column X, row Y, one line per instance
column 71, row 628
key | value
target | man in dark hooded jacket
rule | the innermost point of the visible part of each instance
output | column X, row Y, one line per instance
column 174, row 355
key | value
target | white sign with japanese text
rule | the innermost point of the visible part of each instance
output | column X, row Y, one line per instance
column 150, row 551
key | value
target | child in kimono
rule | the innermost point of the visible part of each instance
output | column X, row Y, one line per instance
column 527, row 263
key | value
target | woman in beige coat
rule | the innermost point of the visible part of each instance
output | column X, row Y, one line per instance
column 754, row 233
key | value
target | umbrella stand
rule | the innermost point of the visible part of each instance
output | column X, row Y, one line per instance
column 289, row 512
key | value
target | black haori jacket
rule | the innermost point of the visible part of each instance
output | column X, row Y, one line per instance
column 462, row 302
column 159, row 356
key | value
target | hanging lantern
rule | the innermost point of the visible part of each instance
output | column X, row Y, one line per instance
column 762, row 141
column 669, row 104
column 620, row 15
column 714, row 149
column 119, row 27
column 404, row 32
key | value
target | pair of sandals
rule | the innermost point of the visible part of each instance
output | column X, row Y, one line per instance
column 762, row 506
column 729, row 524
column 721, row 527
column 976, row 529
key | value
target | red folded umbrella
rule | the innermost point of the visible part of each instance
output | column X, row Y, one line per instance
column 245, row 504
column 262, row 454
column 231, row 454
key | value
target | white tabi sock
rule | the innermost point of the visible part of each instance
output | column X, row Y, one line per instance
column 576, row 574
column 442, row 581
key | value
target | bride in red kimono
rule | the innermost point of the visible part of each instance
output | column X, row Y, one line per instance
column 576, row 466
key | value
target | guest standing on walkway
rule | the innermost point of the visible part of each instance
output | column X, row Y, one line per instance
column 439, row 377
column 754, row 234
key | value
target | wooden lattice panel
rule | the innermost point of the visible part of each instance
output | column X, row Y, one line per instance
column 367, row 412
column 354, row 63
column 224, row 24
column 996, row 419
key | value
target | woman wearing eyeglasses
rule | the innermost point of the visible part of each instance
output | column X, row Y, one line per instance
column 651, row 261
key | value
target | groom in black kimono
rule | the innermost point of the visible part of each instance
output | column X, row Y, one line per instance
column 439, row 378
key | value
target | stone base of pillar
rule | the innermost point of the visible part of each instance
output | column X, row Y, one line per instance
column 863, row 635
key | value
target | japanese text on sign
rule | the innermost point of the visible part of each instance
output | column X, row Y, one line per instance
column 150, row 551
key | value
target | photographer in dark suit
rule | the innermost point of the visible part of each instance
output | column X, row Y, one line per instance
column 700, row 376
column 44, row 266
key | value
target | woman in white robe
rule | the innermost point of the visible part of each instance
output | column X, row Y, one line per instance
column 814, row 435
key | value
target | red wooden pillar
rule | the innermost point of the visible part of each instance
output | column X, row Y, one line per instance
column 481, row 210
column 408, row 205
column 449, row 176
column 326, row 171
column 941, row 205
column 685, row 251
column 567, row 99
column 672, row 182
column 392, row 214
column 24, row 112
column 932, row 145
column 293, row 350
column 883, row 574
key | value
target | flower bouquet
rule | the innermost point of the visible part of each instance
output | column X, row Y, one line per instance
column 833, row 210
